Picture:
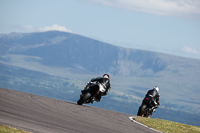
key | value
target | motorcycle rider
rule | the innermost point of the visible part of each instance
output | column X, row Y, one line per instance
column 154, row 95
column 104, row 85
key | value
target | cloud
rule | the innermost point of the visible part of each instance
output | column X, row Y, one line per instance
column 54, row 27
column 190, row 50
column 28, row 28
column 188, row 8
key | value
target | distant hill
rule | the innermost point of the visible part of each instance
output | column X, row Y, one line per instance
column 70, row 50
column 75, row 59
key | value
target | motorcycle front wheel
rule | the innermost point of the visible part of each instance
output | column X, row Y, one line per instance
column 84, row 98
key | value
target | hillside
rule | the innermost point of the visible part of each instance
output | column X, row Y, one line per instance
column 59, row 64
column 70, row 50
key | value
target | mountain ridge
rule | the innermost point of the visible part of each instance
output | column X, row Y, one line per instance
column 108, row 57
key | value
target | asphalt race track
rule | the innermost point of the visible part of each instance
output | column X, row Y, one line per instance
column 39, row 114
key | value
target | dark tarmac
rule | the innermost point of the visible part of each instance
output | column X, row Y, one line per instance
column 39, row 114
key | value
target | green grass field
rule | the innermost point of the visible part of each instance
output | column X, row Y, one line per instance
column 8, row 129
column 168, row 126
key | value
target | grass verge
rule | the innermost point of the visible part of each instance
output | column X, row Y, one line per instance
column 8, row 129
column 166, row 126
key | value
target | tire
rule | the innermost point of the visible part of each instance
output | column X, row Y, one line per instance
column 84, row 98
column 80, row 101
column 141, row 110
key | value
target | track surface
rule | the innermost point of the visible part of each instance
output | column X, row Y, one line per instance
column 46, row 115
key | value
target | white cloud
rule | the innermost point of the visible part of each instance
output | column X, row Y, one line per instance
column 188, row 8
column 28, row 28
column 54, row 27
column 191, row 50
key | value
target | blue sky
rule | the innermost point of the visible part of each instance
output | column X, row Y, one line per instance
column 166, row 26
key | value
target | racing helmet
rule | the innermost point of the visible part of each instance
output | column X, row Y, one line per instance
column 106, row 76
column 156, row 88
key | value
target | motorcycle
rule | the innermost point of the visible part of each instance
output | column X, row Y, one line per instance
column 147, row 109
column 90, row 93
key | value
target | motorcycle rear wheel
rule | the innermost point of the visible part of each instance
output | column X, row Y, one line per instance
column 141, row 110
column 84, row 98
